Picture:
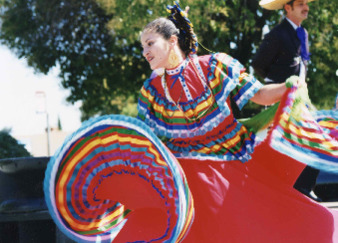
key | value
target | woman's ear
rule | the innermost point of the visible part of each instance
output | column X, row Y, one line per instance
column 173, row 40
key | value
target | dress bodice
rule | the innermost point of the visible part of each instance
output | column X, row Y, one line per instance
column 190, row 105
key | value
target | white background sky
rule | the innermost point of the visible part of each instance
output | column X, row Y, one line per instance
column 18, row 101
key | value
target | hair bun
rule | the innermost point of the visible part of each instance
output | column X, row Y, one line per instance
column 186, row 32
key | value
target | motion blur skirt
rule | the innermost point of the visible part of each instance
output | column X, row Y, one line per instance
column 255, row 202
column 113, row 180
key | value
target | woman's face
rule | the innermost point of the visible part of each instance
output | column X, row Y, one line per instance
column 156, row 50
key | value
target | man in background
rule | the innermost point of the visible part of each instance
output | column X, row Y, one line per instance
column 285, row 52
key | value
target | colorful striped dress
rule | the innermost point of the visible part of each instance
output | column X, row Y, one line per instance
column 234, row 202
column 190, row 106
column 113, row 180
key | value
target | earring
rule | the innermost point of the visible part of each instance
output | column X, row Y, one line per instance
column 173, row 59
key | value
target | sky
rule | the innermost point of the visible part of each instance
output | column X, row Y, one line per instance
column 20, row 102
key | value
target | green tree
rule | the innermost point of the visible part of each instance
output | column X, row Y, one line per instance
column 323, row 67
column 94, row 63
column 96, row 45
column 9, row 146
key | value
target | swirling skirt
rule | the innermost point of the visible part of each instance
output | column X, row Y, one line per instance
column 255, row 202
column 114, row 181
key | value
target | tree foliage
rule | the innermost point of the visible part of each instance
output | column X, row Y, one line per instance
column 9, row 146
column 322, row 26
column 94, row 63
column 95, row 43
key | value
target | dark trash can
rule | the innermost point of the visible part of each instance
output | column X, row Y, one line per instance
column 24, row 217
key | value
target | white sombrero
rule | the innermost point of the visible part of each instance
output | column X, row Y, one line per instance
column 274, row 4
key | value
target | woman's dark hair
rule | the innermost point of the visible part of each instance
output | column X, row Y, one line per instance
column 175, row 24
column 162, row 26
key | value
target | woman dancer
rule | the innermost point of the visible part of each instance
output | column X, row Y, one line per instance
column 114, row 180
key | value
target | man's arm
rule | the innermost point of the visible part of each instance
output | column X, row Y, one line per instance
column 266, row 55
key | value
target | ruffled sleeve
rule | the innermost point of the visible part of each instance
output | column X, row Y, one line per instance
column 227, row 77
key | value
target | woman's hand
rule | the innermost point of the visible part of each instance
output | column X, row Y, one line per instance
column 272, row 93
column 295, row 81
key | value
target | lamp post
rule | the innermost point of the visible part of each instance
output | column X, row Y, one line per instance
column 42, row 109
